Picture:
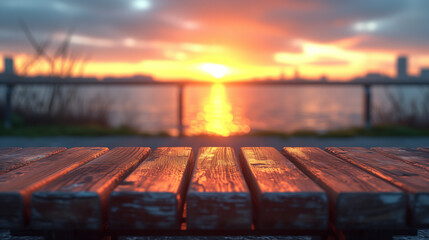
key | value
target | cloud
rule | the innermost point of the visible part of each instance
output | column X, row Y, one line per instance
column 328, row 61
column 134, row 30
column 330, row 20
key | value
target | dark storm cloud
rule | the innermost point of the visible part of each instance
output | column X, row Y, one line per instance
column 331, row 20
column 98, row 18
column 400, row 25
column 110, row 20
column 407, row 31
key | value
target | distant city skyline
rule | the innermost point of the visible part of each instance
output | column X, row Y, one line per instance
column 401, row 74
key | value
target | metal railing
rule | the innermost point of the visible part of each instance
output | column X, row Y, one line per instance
column 10, row 81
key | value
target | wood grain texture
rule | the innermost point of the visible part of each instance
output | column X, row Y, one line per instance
column 218, row 197
column 358, row 199
column 16, row 159
column 7, row 150
column 414, row 180
column 78, row 199
column 408, row 155
column 283, row 196
column 152, row 196
column 17, row 185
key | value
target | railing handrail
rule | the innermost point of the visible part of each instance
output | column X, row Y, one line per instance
column 14, row 80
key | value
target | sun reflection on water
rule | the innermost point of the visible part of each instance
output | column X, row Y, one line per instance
column 217, row 116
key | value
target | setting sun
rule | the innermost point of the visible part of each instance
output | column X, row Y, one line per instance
column 216, row 70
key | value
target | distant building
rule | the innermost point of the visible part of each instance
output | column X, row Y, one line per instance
column 401, row 67
column 282, row 76
column 374, row 76
column 135, row 78
column 8, row 66
column 424, row 73
column 296, row 77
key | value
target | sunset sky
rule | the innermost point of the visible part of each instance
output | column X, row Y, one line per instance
column 239, row 40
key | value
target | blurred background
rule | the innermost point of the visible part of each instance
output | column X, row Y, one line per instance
column 218, row 68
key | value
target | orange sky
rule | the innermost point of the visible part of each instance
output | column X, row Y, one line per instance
column 169, row 40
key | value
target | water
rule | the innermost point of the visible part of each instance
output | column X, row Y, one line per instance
column 232, row 110
column 254, row 108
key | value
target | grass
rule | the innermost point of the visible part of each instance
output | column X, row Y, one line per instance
column 382, row 130
column 72, row 130
column 97, row 130
column 375, row 131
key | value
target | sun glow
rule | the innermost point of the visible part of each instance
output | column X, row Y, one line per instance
column 140, row 4
column 217, row 117
column 216, row 70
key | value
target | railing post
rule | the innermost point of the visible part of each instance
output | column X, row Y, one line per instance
column 8, row 107
column 180, row 110
column 9, row 72
column 367, row 106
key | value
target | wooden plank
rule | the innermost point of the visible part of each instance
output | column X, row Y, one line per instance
column 358, row 200
column 408, row 155
column 152, row 196
column 410, row 178
column 218, row 197
column 78, row 199
column 284, row 197
column 8, row 150
column 16, row 159
column 17, row 185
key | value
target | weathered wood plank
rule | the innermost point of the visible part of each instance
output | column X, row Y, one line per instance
column 218, row 197
column 358, row 199
column 412, row 179
column 7, row 150
column 17, row 185
column 152, row 196
column 284, row 197
column 16, row 159
column 78, row 199
column 408, row 155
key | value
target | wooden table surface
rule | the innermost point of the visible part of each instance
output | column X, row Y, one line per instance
column 257, row 190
